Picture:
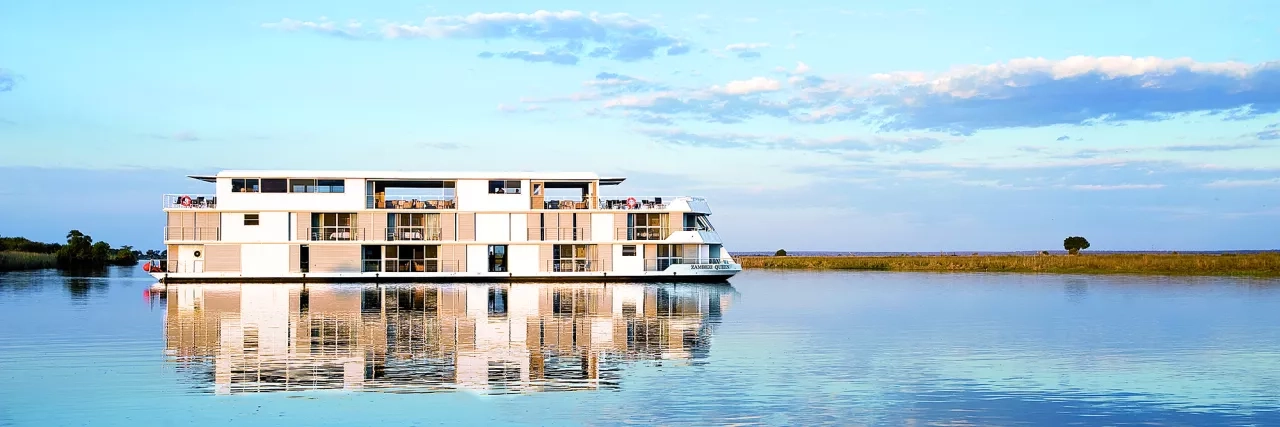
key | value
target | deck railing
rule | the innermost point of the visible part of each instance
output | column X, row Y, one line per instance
column 410, row 266
column 189, row 201
column 559, row 233
column 573, row 265
column 412, row 233
column 661, row 264
column 192, row 233
column 423, row 201
column 643, row 202
column 167, row 266
column 641, row 233
column 337, row 233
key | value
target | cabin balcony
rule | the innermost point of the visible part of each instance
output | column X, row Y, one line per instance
column 189, row 201
column 337, row 233
column 574, row 265
column 411, row 194
column 413, row 233
column 642, row 233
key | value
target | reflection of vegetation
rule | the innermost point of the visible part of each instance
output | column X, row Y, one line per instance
column 18, row 253
column 1257, row 264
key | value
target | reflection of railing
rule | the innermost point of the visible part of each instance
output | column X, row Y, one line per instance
column 337, row 233
column 641, row 233
column 189, row 201
column 573, row 265
column 167, row 266
column 410, row 266
column 661, row 264
column 427, row 201
column 559, row 233
column 408, row 232
column 192, row 233
column 645, row 202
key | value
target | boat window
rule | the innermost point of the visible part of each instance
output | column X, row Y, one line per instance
column 331, row 186
column 244, row 185
column 251, row 219
column 504, row 187
column 275, row 185
column 302, row 185
column 628, row 250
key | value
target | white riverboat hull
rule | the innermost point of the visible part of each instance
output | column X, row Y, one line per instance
column 674, row 273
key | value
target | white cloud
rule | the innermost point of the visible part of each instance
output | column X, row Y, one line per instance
column 1103, row 187
column 1237, row 183
column 739, row 47
column 749, row 86
column 801, row 68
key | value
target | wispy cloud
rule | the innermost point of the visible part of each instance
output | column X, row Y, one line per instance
column 827, row 145
column 7, row 80
column 1108, row 187
column 568, row 33
column 1271, row 133
column 1032, row 92
column 1236, row 183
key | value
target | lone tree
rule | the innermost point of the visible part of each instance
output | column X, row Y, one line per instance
column 1074, row 244
column 780, row 252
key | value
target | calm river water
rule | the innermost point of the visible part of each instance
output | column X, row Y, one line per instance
column 775, row 348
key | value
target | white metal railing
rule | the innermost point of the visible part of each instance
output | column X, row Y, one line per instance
column 189, row 201
column 573, row 265
column 166, row 266
column 336, row 233
column 192, row 233
column 410, row 266
column 641, row 233
column 417, row 201
column 642, row 202
column 409, row 232
column 661, row 264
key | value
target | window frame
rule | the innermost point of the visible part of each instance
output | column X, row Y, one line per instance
column 255, row 218
column 632, row 248
column 504, row 186
column 246, row 185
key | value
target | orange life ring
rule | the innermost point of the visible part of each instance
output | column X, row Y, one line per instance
column 631, row 202
column 185, row 201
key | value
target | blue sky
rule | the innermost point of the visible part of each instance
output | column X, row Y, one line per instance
column 870, row 126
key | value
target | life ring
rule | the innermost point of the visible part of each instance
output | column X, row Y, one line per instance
column 631, row 202
column 185, row 201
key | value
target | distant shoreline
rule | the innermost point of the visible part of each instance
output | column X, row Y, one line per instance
column 1256, row 264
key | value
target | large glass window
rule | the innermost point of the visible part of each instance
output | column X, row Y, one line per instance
column 497, row 258
column 697, row 222
column 401, row 258
column 504, row 187
column 413, row 226
column 244, row 185
column 571, row 258
column 646, row 226
column 309, row 185
column 275, row 185
column 669, row 254
column 333, row 226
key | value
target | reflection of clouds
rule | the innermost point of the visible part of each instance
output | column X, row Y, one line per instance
column 420, row 338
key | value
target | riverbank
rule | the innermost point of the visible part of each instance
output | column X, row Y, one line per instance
column 14, row 261
column 1252, row 264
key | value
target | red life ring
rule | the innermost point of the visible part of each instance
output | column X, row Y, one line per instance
column 631, row 202
column 185, row 201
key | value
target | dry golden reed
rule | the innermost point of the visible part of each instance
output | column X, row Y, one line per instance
column 1253, row 264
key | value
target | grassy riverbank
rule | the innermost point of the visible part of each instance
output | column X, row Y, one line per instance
column 1255, row 264
column 14, row 261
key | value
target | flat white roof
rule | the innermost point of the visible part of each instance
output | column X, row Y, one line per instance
column 422, row 175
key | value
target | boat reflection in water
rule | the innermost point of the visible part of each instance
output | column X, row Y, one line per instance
column 492, row 338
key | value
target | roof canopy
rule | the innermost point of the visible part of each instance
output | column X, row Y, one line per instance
column 409, row 175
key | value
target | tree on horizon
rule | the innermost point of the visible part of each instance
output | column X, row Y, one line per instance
column 1074, row 244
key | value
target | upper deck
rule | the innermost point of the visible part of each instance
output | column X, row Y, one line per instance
column 319, row 191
